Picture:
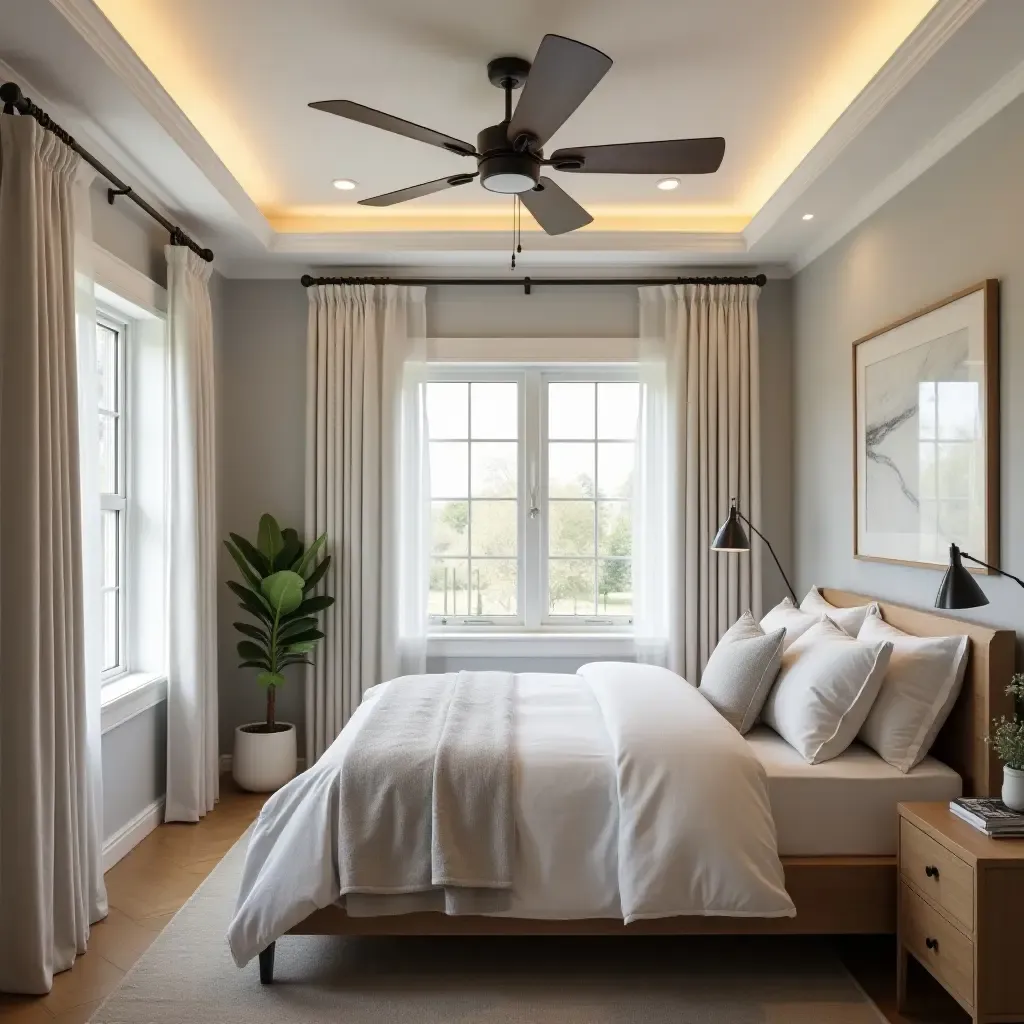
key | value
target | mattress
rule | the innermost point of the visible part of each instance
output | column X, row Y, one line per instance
column 846, row 806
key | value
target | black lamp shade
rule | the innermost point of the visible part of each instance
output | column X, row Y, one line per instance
column 731, row 536
column 959, row 589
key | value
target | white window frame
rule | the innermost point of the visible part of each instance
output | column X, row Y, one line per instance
column 119, row 501
column 532, row 619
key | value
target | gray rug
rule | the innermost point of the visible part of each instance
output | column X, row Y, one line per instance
column 187, row 975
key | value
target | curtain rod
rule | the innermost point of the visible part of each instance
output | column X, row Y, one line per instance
column 527, row 282
column 14, row 100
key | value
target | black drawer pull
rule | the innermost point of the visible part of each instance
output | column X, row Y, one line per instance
column 932, row 944
column 931, row 871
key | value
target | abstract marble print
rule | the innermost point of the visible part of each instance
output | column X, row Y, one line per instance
column 921, row 391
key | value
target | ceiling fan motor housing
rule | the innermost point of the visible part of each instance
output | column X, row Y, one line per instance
column 502, row 168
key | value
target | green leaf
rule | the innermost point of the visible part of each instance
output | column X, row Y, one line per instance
column 290, row 551
column 269, row 539
column 248, row 650
column 309, row 558
column 254, row 631
column 294, row 659
column 252, row 578
column 252, row 554
column 283, row 591
column 255, row 664
column 301, row 647
column 271, row 679
column 310, row 606
column 294, row 626
column 303, row 637
column 317, row 574
column 252, row 603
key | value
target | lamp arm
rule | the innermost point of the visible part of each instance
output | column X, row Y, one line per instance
column 1002, row 572
column 782, row 571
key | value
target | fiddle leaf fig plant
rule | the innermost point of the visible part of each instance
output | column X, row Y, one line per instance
column 279, row 574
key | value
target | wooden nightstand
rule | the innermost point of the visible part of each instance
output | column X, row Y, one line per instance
column 961, row 907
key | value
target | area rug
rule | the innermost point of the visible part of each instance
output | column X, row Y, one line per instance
column 187, row 975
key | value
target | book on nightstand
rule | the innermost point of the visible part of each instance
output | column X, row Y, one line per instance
column 990, row 816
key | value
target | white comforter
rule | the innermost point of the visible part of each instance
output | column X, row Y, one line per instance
column 634, row 799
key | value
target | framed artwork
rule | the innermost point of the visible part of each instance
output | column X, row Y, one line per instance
column 926, row 414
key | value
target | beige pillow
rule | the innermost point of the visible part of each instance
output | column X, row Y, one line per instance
column 826, row 686
column 785, row 615
column 741, row 670
column 920, row 687
column 851, row 619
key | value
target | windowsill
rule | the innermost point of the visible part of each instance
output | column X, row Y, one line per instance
column 129, row 695
column 529, row 645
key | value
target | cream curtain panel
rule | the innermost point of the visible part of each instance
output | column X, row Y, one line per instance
column 193, row 769
column 51, row 882
column 699, row 446
column 367, row 487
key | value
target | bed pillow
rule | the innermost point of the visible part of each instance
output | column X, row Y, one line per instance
column 741, row 670
column 785, row 615
column 825, row 689
column 850, row 619
column 920, row 687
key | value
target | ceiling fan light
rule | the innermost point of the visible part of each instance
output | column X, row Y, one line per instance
column 344, row 184
column 508, row 182
column 667, row 184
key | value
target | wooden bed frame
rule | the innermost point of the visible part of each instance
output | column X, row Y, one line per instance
column 833, row 895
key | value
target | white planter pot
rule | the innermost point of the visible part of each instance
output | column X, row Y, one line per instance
column 1013, row 788
column 263, row 761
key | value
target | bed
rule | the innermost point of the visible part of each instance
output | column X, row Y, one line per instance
column 838, row 855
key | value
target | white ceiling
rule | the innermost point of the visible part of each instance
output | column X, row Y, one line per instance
column 826, row 107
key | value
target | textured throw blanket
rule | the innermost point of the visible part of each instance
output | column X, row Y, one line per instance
column 426, row 801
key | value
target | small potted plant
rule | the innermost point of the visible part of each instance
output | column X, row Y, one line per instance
column 279, row 575
column 1008, row 742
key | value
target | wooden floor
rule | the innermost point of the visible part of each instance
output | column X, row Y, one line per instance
column 150, row 885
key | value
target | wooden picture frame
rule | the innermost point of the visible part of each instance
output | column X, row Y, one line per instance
column 922, row 481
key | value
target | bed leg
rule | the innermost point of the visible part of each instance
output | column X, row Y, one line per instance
column 267, row 965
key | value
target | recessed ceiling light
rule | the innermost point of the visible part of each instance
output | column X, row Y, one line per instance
column 808, row 216
column 344, row 184
column 667, row 184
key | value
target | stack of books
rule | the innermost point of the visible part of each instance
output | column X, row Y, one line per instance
column 992, row 817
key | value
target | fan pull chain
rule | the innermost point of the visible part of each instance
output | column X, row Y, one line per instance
column 515, row 199
column 519, row 224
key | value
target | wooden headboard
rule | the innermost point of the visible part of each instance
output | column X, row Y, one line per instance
column 961, row 744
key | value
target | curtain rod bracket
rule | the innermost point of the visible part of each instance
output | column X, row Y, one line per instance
column 526, row 286
column 112, row 193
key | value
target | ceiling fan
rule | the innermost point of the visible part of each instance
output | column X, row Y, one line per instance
column 509, row 155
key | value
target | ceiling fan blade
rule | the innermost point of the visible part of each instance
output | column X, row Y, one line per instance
column 415, row 191
column 563, row 74
column 553, row 209
column 390, row 123
column 677, row 156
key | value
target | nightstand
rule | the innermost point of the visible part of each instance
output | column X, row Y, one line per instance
column 960, row 911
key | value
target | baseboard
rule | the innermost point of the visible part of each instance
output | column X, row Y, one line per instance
column 225, row 764
column 130, row 835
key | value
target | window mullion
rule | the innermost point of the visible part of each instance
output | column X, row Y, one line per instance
column 532, row 589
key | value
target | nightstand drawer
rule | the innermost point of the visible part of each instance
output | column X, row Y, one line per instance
column 937, row 944
column 939, row 874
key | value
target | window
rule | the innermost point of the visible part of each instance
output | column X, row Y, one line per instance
column 531, row 475
column 113, row 430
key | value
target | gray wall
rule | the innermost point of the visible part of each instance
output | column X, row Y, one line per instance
column 129, row 234
column 959, row 223
column 261, row 419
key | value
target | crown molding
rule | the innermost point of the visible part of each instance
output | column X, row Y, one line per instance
column 94, row 28
column 935, row 29
column 1004, row 92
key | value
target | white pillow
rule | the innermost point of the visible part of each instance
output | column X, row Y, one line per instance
column 825, row 690
column 920, row 687
column 741, row 670
column 786, row 615
column 850, row 619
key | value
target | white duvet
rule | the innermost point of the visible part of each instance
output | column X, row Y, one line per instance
column 634, row 799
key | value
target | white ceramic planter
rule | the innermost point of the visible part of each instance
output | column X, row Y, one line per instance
column 263, row 761
column 1013, row 788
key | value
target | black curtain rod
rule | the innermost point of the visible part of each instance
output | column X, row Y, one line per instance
column 526, row 283
column 14, row 100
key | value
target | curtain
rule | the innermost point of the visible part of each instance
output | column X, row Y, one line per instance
column 367, row 487
column 193, row 763
column 51, row 883
column 699, row 447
